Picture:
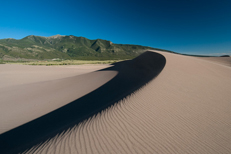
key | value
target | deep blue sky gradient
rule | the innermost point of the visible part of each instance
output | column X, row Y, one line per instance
column 185, row 26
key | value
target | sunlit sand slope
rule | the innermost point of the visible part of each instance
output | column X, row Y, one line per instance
column 13, row 74
column 220, row 60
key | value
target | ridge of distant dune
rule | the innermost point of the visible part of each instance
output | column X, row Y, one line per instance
column 132, row 75
column 220, row 60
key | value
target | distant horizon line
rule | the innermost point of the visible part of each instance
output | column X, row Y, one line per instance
column 189, row 53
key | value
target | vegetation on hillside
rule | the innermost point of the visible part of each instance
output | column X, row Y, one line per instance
column 65, row 48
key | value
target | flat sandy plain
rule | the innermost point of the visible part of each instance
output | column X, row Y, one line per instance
column 157, row 103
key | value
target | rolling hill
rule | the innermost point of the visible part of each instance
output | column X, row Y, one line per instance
column 65, row 47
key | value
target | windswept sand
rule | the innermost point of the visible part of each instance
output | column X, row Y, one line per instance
column 185, row 109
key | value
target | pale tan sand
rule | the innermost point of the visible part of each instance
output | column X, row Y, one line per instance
column 28, row 92
column 220, row 60
column 186, row 109
column 13, row 74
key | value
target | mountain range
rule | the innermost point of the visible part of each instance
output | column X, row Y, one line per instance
column 66, row 47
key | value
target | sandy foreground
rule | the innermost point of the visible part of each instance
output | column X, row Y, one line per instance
column 185, row 109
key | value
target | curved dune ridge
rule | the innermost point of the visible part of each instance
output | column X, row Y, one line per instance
column 186, row 109
column 23, row 103
column 132, row 75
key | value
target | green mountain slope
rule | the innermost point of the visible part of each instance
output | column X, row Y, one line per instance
column 66, row 47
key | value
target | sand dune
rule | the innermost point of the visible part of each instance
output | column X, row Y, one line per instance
column 30, row 90
column 135, row 72
column 12, row 75
column 220, row 60
column 185, row 109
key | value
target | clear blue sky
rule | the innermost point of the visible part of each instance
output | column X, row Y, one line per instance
column 185, row 26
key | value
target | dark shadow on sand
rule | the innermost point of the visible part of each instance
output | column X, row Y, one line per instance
column 132, row 75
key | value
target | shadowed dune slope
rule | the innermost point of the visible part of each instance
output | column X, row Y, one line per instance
column 131, row 76
column 185, row 109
